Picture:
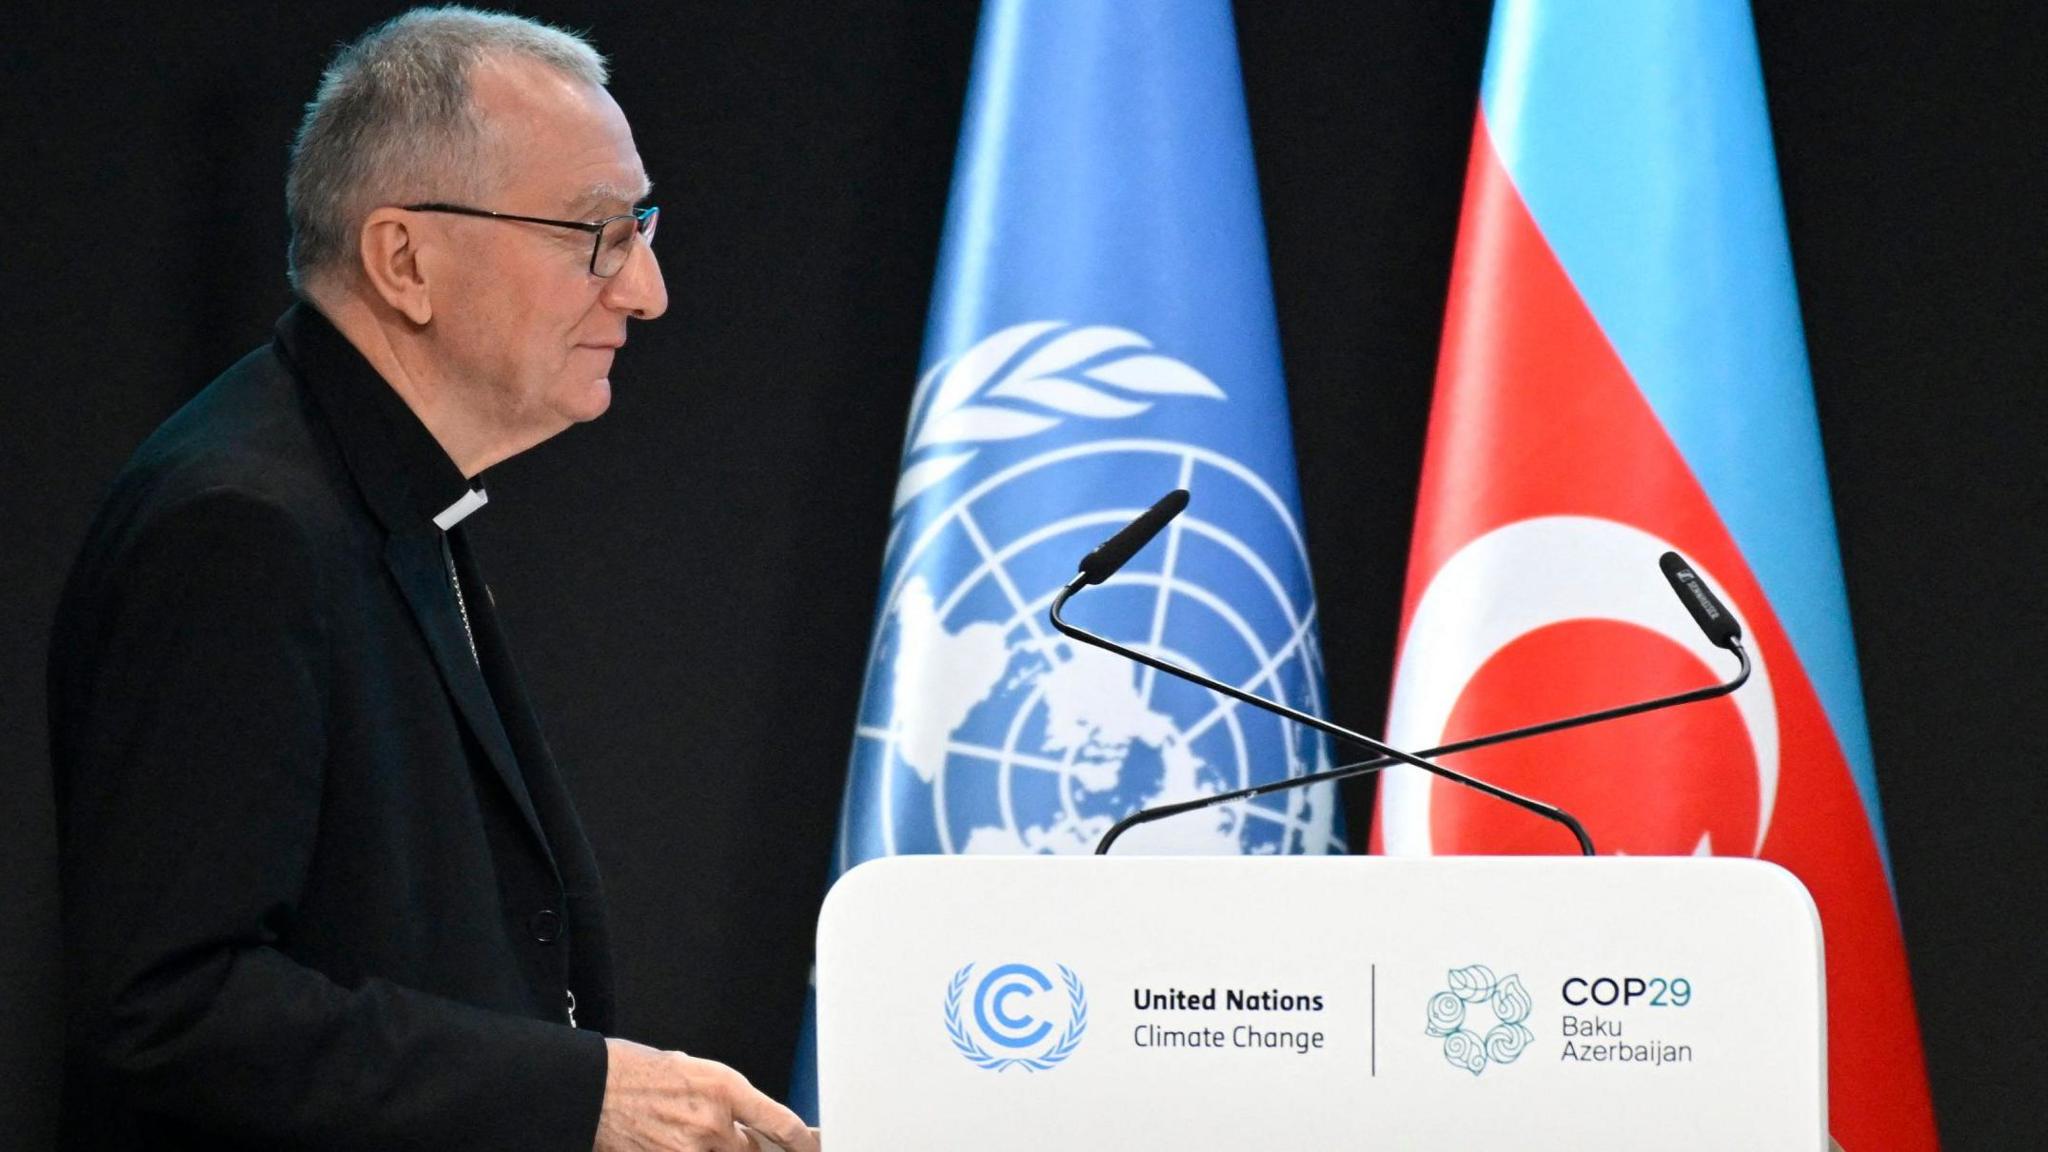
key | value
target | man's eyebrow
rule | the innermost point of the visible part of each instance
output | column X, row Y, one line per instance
column 604, row 193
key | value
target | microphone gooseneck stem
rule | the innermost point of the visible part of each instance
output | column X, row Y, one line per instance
column 1381, row 763
column 1387, row 753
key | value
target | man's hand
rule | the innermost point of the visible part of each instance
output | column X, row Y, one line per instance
column 657, row 1101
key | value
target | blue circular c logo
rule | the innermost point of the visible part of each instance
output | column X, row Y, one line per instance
column 990, row 996
column 1016, row 1032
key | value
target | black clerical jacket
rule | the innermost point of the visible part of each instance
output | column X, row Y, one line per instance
column 322, row 884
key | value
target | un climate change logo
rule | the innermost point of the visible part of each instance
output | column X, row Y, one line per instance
column 1452, row 1016
column 1015, row 1009
column 982, row 730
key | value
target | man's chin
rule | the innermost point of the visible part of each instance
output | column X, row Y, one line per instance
column 589, row 402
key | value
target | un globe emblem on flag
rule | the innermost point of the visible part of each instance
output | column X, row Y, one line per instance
column 983, row 730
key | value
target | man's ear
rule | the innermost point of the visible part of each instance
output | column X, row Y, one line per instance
column 389, row 248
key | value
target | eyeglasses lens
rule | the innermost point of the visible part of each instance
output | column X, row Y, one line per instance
column 615, row 243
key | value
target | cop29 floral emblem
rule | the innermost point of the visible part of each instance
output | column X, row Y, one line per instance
column 1016, row 1011
column 1456, row 1014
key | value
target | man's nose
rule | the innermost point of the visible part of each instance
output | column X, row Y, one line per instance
column 638, row 288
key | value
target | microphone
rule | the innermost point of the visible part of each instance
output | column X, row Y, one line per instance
column 1112, row 554
column 1715, row 620
column 1720, row 625
column 1117, row 551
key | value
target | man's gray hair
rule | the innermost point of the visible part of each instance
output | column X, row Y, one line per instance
column 393, row 123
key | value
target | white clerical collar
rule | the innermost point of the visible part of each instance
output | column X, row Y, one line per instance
column 453, row 514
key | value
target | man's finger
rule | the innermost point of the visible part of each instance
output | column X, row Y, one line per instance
column 761, row 1143
column 733, row 1139
column 774, row 1121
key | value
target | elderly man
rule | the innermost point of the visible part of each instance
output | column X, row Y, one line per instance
column 323, row 887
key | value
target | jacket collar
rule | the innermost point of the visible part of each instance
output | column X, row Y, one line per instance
column 406, row 477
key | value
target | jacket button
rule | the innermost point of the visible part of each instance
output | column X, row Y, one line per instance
column 546, row 925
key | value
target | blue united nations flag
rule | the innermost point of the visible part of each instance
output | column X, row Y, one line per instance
column 1101, row 331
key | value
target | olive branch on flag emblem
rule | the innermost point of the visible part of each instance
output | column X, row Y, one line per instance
column 987, row 393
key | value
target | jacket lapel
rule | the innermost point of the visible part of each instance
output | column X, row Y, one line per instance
column 415, row 561
column 405, row 478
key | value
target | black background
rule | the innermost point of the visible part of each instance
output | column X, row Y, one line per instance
column 690, row 580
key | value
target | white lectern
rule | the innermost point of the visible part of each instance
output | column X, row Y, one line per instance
column 1007, row 1004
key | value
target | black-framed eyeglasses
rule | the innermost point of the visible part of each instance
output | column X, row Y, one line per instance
column 611, row 238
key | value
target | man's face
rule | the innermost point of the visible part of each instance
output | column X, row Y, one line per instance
column 524, row 330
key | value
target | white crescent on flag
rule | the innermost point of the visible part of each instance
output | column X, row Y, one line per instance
column 1512, row 581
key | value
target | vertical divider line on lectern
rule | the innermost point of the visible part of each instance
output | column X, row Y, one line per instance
column 1374, row 1031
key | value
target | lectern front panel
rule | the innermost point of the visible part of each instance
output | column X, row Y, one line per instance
column 1011, row 1004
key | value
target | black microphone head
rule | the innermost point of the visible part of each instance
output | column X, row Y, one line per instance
column 1112, row 554
column 1713, row 617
